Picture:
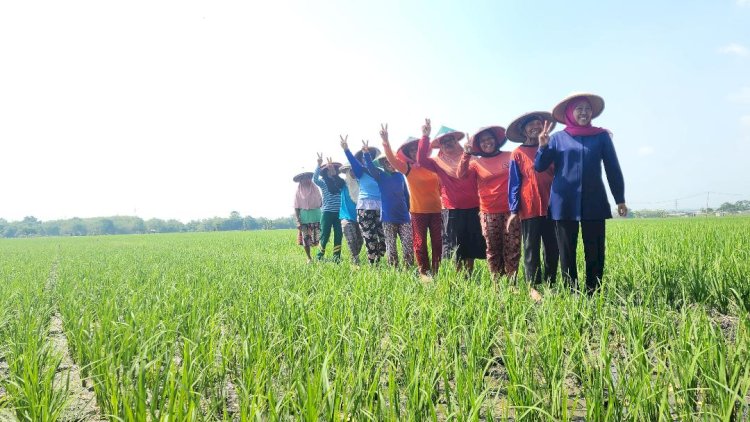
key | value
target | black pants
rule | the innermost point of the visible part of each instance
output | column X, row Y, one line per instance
column 593, row 249
column 539, row 231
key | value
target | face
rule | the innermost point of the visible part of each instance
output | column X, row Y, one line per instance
column 449, row 145
column 387, row 165
column 582, row 113
column 411, row 150
column 305, row 181
column 533, row 129
column 332, row 171
column 486, row 142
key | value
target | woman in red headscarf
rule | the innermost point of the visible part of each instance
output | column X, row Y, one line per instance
column 484, row 160
column 577, row 197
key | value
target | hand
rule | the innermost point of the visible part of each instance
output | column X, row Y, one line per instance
column 344, row 145
column 467, row 146
column 331, row 168
column 384, row 134
column 426, row 128
column 544, row 136
column 320, row 158
column 510, row 221
column 366, row 146
column 622, row 209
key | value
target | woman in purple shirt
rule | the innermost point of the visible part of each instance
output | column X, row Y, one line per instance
column 578, row 196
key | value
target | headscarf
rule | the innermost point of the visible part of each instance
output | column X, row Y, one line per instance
column 448, row 164
column 572, row 127
column 333, row 183
column 352, row 185
column 308, row 196
column 412, row 163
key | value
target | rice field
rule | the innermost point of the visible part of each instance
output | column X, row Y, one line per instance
column 235, row 326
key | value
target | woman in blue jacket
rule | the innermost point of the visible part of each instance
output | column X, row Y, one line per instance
column 368, row 205
column 578, row 196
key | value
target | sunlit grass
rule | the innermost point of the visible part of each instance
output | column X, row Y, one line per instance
column 163, row 325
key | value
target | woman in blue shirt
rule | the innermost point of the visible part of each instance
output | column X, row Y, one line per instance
column 578, row 196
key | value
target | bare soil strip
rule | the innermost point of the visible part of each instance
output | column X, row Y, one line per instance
column 82, row 404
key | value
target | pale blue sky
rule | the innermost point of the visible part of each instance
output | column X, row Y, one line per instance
column 195, row 109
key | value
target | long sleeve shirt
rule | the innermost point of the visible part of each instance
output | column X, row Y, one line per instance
column 331, row 201
column 348, row 210
column 393, row 194
column 424, row 187
column 369, row 192
column 528, row 190
column 578, row 191
column 492, row 180
column 455, row 193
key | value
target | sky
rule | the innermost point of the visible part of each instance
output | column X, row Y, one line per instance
column 190, row 110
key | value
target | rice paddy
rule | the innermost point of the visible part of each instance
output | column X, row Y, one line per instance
column 235, row 326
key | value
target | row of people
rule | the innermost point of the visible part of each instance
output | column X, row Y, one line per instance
column 475, row 201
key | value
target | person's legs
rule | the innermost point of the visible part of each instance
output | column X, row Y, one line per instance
column 593, row 249
column 551, row 252
column 436, row 240
column 419, row 223
column 325, row 221
column 531, row 229
column 337, row 235
column 448, row 238
column 492, row 232
column 369, row 227
column 391, row 230
column 511, row 244
column 567, row 241
column 380, row 236
column 353, row 239
column 407, row 243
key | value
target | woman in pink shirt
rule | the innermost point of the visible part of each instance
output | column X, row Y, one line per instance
column 459, row 196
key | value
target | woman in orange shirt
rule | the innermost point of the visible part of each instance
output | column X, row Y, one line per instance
column 425, row 207
column 483, row 159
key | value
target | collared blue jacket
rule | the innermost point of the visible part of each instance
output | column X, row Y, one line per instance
column 578, row 191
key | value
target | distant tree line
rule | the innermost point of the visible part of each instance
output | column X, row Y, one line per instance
column 725, row 208
column 31, row 226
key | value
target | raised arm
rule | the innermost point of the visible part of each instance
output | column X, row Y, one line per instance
column 374, row 171
column 463, row 165
column 423, row 149
column 316, row 175
column 399, row 165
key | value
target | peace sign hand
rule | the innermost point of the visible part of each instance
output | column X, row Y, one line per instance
column 320, row 158
column 544, row 136
column 344, row 145
column 467, row 146
column 384, row 134
column 426, row 128
column 366, row 146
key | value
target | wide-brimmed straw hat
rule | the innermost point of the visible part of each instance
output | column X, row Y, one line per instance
column 442, row 133
column 302, row 175
column 400, row 151
column 498, row 131
column 516, row 132
column 345, row 167
column 597, row 106
column 374, row 152
column 335, row 165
